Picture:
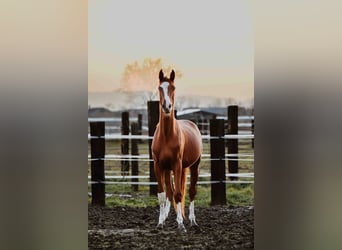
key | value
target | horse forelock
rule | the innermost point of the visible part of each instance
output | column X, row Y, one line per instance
column 165, row 79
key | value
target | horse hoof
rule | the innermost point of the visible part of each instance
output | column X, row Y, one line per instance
column 193, row 224
column 181, row 228
column 160, row 226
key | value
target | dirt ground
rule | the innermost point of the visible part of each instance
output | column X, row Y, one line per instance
column 220, row 227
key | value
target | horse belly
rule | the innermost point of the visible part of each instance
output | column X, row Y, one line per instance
column 191, row 154
column 192, row 145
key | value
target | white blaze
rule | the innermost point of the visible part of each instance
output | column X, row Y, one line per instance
column 165, row 87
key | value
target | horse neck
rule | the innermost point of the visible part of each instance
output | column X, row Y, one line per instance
column 167, row 124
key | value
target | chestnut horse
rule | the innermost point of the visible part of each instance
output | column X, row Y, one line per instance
column 176, row 147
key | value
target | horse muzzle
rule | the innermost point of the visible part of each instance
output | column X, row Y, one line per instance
column 167, row 108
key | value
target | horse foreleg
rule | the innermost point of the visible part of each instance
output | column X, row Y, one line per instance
column 178, row 196
column 162, row 204
column 192, row 192
column 161, row 195
column 169, row 192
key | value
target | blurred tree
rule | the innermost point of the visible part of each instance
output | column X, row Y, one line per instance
column 144, row 77
column 109, row 105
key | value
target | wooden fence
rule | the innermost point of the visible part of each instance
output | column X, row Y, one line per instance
column 218, row 143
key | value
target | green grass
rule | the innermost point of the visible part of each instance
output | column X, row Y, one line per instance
column 122, row 195
column 240, row 194
column 134, row 201
column 236, row 194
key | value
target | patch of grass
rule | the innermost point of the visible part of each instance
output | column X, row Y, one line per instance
column 132, row 201
column 202, row 197
column 236, row 194
column 240, row 194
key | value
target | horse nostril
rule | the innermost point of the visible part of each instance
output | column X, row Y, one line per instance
column 169, row 106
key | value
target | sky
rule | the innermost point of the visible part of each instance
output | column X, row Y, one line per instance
column 210, row 42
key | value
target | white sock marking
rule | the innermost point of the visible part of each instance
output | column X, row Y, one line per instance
column 162, row 200
column 192, row 212
column 161, row 197
column 167, row 208
column 179, row 213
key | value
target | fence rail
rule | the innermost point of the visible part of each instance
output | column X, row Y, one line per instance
column 245, row 175
column 146, row 137
column 217, row 157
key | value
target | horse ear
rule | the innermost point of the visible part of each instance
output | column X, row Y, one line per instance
column 161, row 75
column 172, row 75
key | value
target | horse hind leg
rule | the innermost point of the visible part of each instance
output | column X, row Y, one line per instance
column 183, row 188
column 179, row 195
column 194, row 171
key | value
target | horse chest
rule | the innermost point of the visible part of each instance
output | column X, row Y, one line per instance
column 168, row 152
column 168, row 156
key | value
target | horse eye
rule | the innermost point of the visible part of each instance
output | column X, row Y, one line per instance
column 160, row 88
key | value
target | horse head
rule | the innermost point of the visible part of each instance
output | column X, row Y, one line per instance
column 167, row 91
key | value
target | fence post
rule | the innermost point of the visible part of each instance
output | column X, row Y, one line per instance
column 153, row 119
column 124, row 142
column 253, row 132
column 97, row 145
column 218, row 169
column 134, row 150
column 233, row 143
column 200, row 125
column 140, row 126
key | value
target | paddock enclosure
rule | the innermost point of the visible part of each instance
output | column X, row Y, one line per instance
column 120, row 164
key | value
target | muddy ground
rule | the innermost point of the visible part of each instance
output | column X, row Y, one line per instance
column 220, row 227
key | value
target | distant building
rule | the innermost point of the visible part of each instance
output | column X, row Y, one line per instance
column 199, row 116
column 202, row 117
column 113, row 118
column 195, row 114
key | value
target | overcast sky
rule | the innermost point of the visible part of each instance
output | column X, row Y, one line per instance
column 210, row 42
